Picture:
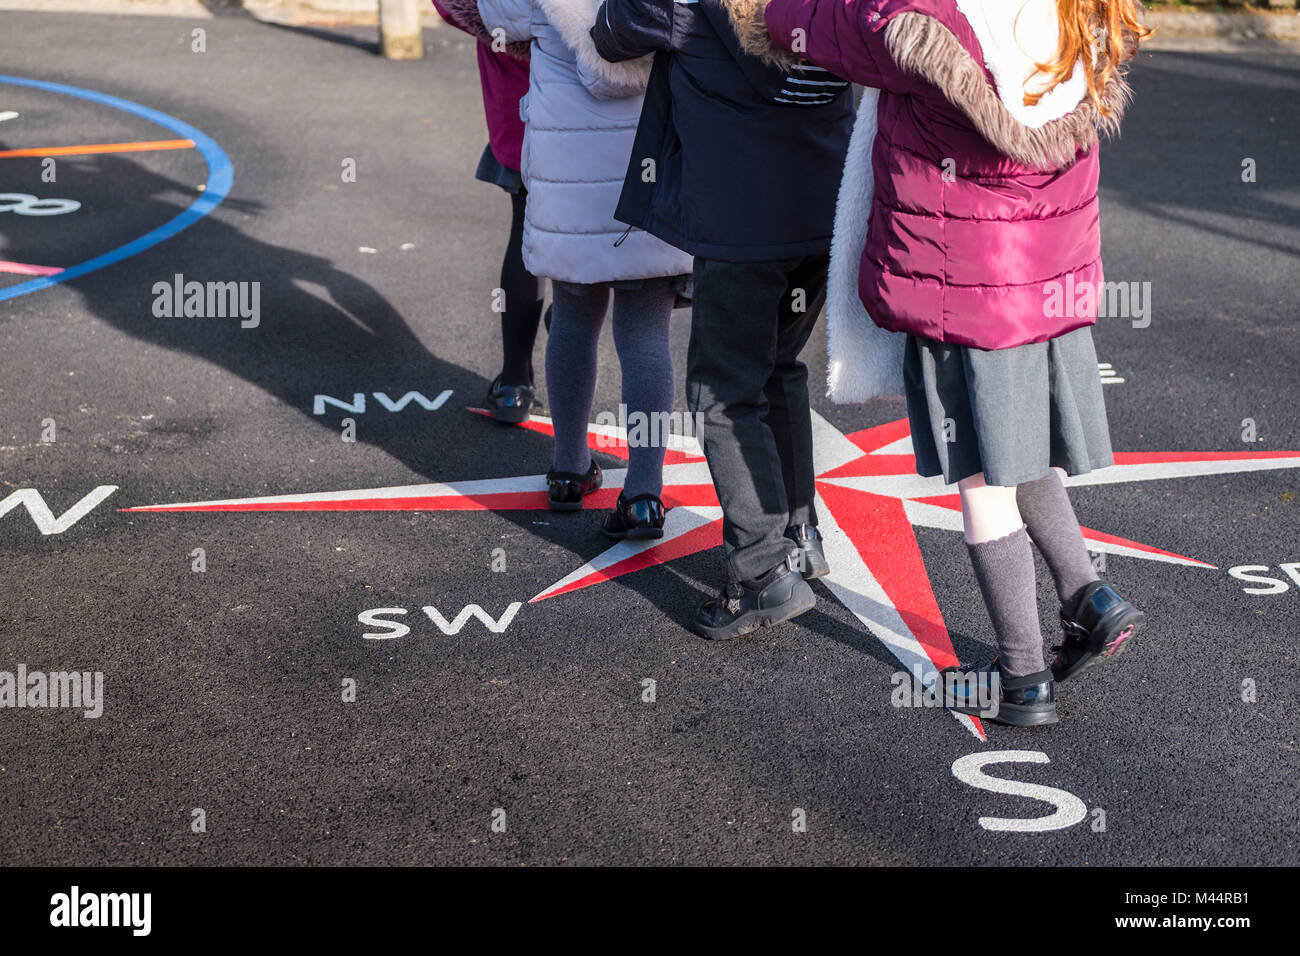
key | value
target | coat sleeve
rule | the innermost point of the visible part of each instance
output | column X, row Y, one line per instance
column 626, row 29
column 846, row 37
column 463, row 15
column 513, row 17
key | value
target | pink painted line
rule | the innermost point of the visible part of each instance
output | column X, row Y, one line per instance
column 23, row 269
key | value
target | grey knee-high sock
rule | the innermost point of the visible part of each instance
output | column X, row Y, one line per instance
column 1050, row 520
column 641, row 318
column 1004, row 568
column 577, row 315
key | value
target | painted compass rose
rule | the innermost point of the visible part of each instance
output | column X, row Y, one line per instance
column 870, row 500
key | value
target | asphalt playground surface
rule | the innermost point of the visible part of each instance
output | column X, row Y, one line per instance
column 223, row 687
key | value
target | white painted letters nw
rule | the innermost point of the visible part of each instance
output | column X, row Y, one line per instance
column 358, row 404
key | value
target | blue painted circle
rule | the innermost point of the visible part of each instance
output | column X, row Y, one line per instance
column 220, row 177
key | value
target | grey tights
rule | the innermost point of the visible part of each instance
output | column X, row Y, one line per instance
column 641, row 318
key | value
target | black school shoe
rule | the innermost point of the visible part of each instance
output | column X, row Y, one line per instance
column 566, row 489
column 635, row 518
column 776, row 597
column 510, row 404
column 812, row 559
column 1028, row 701
column 1101, row 626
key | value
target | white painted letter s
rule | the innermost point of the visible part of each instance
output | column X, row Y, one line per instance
column 370, row 618
column 1069, row 808
column 1242, row 572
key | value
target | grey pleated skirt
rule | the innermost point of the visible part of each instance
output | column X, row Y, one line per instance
column 1012, row 414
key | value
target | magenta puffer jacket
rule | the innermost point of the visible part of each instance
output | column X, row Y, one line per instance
column 980, row 205
column 503, row 76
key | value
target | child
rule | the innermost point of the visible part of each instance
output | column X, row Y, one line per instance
column 735, row 148
column 580, row 116
column 504, row 79
column 985, row 201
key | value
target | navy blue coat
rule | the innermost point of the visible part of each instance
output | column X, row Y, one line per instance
column 747, row 154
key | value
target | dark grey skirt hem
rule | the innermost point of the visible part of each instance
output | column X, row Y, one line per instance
column 1012, row 414
column 491, row 170
column 1005, row 480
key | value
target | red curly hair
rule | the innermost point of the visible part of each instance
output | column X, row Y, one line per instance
column 1118, row 31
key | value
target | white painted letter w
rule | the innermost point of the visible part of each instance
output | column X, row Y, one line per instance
column 473, row 610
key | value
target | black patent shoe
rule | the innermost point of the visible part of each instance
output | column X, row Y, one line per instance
column 566, row 489
column 510, row 404
column 776, row 597
column 635, row 518
column 1102, row 625
column 811, row 557
column 1028, row 701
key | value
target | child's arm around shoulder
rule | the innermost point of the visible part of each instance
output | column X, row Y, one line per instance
column 514, row 18
column 626, row 29
column 846, row 37
column 463, row 15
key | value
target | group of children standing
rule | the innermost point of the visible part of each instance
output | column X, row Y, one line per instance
column 655, row 148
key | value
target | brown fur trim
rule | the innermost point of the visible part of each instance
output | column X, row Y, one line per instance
column 466, row 12
column 923, row 46
column 746, row 18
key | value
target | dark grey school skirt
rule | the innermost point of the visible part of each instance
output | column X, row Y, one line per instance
column 1010, row 413
column 491, row 170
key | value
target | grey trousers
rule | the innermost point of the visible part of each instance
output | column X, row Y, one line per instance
column 749, row 322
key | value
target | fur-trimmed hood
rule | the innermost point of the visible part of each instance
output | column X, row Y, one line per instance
column 990, row 95
column 573, row 20
column 1011, row 36
column 747, row 21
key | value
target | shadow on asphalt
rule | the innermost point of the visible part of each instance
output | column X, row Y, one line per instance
column 235, row 8
column 1201, row 184
column 322, row 327
column 332, row 36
